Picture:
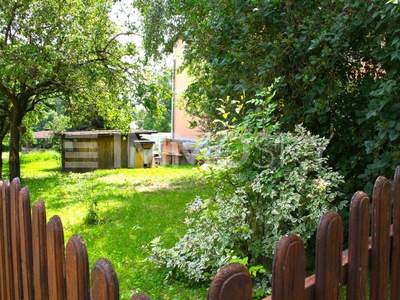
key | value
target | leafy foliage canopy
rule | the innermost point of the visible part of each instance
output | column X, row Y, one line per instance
column 339, row 62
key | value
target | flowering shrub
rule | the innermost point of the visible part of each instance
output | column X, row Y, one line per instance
column 268, row 184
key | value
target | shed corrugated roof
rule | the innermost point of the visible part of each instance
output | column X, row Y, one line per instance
column 103, row 132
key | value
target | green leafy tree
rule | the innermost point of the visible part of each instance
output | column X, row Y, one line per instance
column 154, row 94
column 338, row 60
column 65, row 49
column 52, row 116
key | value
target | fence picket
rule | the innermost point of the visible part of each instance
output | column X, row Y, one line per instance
column 46, row 269
column 34, row 265
column 395, row 267
column 329, row 257
column 233, row 282
column 56, row 259
column 39, row 251
column 380, row 234
column 26, row 244
column 104, row 281
column 289, row 269
column 15, row 187
column 77, row 269
column 357, row 278
column 2, row 245
column 9, row 278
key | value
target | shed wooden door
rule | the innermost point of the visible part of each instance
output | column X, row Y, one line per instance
column 106, row 152
column 139, row 157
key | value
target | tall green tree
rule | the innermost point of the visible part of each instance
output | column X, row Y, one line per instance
column 154, row 94
column 338, row 62
column 53, row 48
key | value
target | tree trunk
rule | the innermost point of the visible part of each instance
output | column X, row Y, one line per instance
column 15, row 141
column 4, row 127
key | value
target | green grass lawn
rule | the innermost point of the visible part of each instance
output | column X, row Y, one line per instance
column 135, row 206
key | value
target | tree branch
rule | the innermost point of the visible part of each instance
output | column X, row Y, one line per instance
column 31, row 91
column 116, row 36
column 6, row 91
column 7, row 32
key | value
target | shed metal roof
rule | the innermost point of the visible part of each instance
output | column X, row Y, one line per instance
column 103, row 132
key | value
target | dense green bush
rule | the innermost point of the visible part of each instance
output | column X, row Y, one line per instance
column 269, row 183
column 339, row 62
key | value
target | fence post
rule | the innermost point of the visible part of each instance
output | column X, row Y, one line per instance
column 232, row 282
column 15, row 187
column 9, row 279
column 26, row 244
column 39, row 251
column 56, row 259
column 380, row 233
column 395, row 281
column 329, row 257
column 289, row 269
column 104, row 281
column 2, row 245
column 357, row 277
column 77, row 269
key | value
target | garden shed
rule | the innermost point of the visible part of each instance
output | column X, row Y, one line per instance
column 105, row 149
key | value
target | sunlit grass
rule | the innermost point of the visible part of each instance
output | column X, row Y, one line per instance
column 134, row 205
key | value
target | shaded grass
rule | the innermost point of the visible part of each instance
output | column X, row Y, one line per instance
column 134, row 207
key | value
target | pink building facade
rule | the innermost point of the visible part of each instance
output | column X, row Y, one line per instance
column 181, row 120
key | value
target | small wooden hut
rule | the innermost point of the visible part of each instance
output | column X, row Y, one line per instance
column 105, row 149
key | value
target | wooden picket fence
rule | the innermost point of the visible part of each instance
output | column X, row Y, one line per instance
column 34, row 264
column 371, row 264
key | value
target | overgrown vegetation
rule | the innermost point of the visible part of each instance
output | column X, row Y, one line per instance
column 338, row 61
column 269, row 183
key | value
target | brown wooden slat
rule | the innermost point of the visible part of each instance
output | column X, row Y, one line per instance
column 77, row 269
column 104, row 281
column 81, row 145
column 39, row 251
column 9, row 278
column 357, row 279
column 380, row 233
column 395, row 280
column 232, row 282
column 56, row 259
column 289, row 269
column 26, row 244
column 309, row 283
column 15, row 187
column 81, row 155
column 2, row 245
column 329, row 257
